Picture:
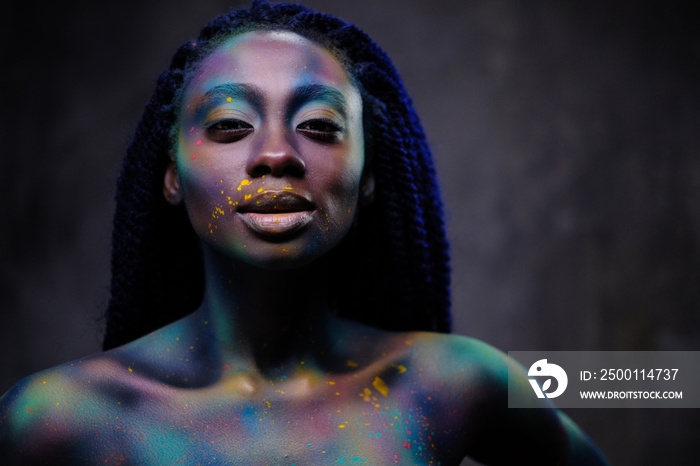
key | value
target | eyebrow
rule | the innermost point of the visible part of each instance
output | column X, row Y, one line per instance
column 300, row 96
column 233, row 90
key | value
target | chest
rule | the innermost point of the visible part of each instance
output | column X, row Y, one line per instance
column 367, row 428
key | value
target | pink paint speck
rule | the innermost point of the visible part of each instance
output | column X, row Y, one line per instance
column 194, row 156
column 407, row 445
column 199, row 142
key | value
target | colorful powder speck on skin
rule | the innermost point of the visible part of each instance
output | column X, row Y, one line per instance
column 380, row 386
column 243, row 183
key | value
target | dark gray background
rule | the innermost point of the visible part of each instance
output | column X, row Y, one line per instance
column 565, row 135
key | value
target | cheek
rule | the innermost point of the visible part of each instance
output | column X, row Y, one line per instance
column 203, row 200
column 343, row 188
column 209, row 185
column 208, row 197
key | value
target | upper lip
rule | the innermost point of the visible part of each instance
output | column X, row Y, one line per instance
column 276, row 202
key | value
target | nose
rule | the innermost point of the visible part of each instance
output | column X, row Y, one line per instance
column 275, row 156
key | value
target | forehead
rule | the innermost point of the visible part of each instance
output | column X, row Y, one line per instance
column 268, row 57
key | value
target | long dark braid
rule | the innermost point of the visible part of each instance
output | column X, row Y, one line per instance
column 399, row 251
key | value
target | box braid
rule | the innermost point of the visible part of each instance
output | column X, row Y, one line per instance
column 397, row 255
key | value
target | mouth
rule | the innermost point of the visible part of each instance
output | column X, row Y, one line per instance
column 276, row 214
column 276, row 202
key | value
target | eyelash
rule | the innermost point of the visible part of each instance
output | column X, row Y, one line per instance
column 233, row 130
column 321, row 130
column 227, row 131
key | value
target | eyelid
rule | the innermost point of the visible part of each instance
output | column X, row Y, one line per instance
column 213, row 123
column 339, row 126
column 319, row 111
column 333, row 134
column 227, row 130
column 222, row 114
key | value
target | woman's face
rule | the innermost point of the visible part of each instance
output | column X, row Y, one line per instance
column 270, row 153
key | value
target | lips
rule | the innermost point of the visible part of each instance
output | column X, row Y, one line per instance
column 276, row 202
column 276, row 214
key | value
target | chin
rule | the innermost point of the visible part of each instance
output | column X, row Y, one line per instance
column 274, row 256
column 275, row 253
column 279, row 263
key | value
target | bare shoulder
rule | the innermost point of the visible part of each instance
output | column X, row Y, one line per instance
column 454, row 360
column 65, row 410
column 453, row 363
column 42, row 414
column 466, row 375
column 458, row 352
column 470, row 379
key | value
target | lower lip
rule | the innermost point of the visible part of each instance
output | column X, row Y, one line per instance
column 274, row 224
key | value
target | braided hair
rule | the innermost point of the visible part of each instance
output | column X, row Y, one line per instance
column 398, row 253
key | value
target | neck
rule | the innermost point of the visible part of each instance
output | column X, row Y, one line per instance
column 268, row 318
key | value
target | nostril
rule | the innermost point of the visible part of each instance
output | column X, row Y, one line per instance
column 260, row 170
column 295, row 171
column 278, row 165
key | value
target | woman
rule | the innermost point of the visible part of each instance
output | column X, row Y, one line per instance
column 279, row 199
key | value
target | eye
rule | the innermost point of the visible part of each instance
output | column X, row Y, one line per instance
column 229, row 130
column 321, row 130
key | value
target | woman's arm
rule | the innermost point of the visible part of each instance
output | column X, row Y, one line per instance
column 581, row 450
column 496, row 434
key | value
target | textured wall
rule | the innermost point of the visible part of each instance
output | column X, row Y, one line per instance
column 566, row 139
